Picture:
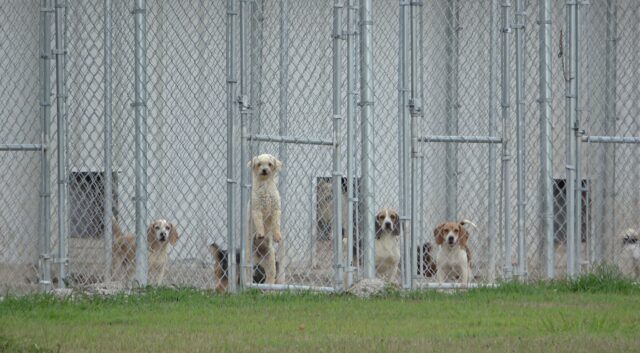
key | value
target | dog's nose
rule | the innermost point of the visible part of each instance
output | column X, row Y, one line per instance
column 450, row 239
column 163, row 236
column 264, row 172
column 387, row 224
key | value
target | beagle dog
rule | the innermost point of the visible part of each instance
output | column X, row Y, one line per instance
column 454, row 257
column 387, row 247
column 628, row 260
column 160, row 236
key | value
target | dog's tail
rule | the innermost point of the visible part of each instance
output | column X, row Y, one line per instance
column 115, row 228
column 466, row 221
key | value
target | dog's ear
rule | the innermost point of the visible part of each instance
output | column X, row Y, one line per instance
column 214, row 249
column 252, row 162
column 396, row 223
column 173, row 234
column 277, row 163
column 464, row 234
column 150, row 233
column 378, row 228
column 437, row 233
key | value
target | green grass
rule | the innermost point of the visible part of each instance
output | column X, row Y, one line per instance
column 596, row 313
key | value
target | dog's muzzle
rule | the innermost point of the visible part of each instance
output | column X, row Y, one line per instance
column 264, row 172
column 163, row 237
column 451, row 240
column 388, row 225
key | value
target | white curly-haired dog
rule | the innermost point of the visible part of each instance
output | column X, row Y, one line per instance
column 628, row 260
column 264, row 214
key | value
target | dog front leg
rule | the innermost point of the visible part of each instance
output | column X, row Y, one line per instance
column 258, row 223
column 464, row 275
column 270, row 268
column 277, row 236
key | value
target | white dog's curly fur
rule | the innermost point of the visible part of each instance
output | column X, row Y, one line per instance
column 264, row 213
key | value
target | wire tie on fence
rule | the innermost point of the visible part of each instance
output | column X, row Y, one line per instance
column 56, row 51
column 405, row 3
column 61, row 4
column 47, row 9
column 139, row 104
column 232, row 13
column 365, row 103
column 543, row 100
column 232, row 181
column 415, row 3
column 506, row 30
column 570, row 167
column 137, row 11
column 538, row 22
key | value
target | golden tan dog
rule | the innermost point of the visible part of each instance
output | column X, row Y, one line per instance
column 160, row 235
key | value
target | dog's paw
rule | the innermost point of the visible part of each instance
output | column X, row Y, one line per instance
column 259, row 235
column 277, row 237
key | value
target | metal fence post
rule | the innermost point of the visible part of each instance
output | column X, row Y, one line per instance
column 108, row 155
column 521, row 164
column 368, row 152
column 337, row 124
column 493, row 118
column 140, row 108
column 571, row 91
column 546, row 134
column 577, row 137
column 61, row 97
column 453, row 106
column 45, row 165
column 506, row 157
column 606, row 192
column 231, row 177
column 404, row 143
column 351, row 114
column 415, row 107
column 283, row 121
column 245, row 185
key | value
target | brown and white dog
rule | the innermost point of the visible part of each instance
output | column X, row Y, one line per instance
column 387, row 246
column 426, row 260
column 264, row 214
column 221, row 268
column 628, row 260
column 454, row 257
column 160, row 235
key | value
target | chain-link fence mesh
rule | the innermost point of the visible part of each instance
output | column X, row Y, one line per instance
column 282, row 87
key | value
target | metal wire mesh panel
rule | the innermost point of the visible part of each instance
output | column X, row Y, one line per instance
column 457, row 103
column 610, row 109
column 20, row 118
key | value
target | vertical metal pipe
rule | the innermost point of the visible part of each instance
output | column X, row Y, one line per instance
column 453, row 107
column 351, row 114
column 577, row 137
column 492, row 229
column 108, row 154
column 140, row 106
column 570, row 93
column 506, row 157
column 520, row 27
column 283, row 117
column 368, row 152
column 419, row 235
column 337, row 125
column 415, row 108
column 231, row 175
column 546, row 134
column 404, row 143
column 606, row 192
column 61, row 99
column 45, row 165
column 245, row 243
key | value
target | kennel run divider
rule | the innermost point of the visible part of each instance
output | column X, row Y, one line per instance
column 246, row 113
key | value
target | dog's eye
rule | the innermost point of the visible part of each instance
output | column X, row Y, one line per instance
column 456, row 231
column 167, row 227
column 270, row 165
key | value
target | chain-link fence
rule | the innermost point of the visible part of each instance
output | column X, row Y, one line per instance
column 135, row 136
